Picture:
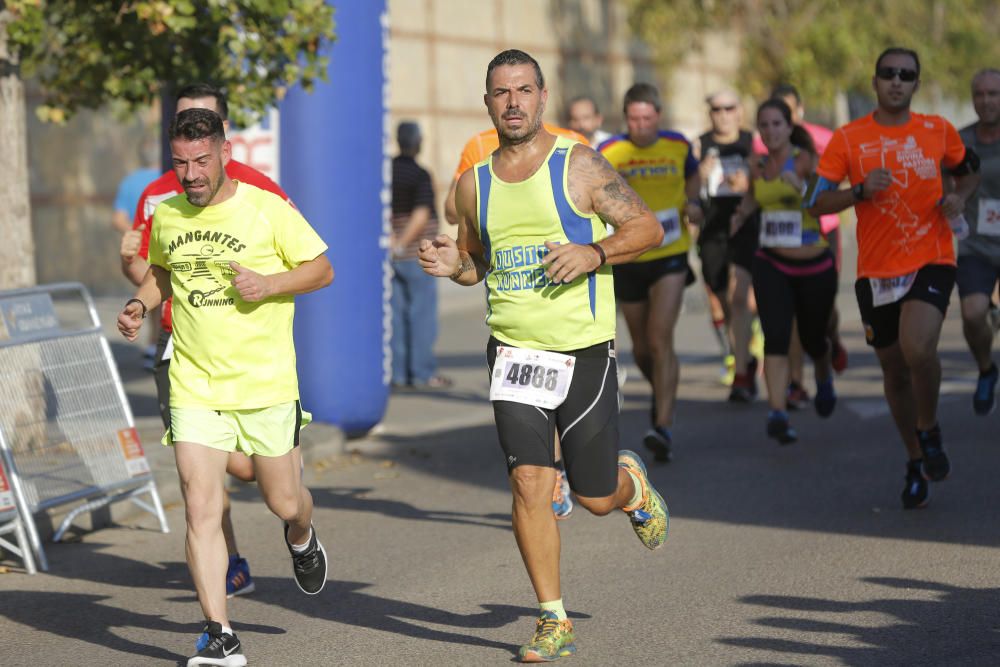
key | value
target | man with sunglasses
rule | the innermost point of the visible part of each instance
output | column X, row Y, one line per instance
column 724, row 167
column 906, row 256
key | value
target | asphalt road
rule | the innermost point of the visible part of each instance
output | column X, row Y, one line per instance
column 798, row 555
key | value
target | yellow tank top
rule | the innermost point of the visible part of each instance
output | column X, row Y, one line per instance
column 515, row 221
column 784, row 223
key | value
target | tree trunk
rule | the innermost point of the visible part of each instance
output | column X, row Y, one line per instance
column 17, row 252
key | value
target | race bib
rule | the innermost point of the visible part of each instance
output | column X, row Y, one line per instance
column 781, row 229
column 532, row 377
column 989, row 217
column 670, row 220
column 890, row 290
column 168, row 349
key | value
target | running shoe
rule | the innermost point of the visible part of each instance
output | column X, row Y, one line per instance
column 658, row 441
column 993, row 315
column 650, row 518
column 839, row 357
column 728, row 370
column 984, row 401
column 744, row 388
column 218, row 648
column 562, row 504
column 826, row 398
column 915, row 492
column 552, row 639
column 936, row 465
column 796, row 397
column 309, row 566
column 238, row 579
column 779, row 428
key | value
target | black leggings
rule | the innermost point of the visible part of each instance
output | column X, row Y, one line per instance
column 787, row 289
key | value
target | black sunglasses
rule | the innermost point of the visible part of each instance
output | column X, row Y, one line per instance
column 730, row 107
column 890, row 73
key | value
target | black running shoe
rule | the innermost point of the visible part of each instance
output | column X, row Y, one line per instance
column 936, row 465
column 985, row 400
column 658, row 441
column 221, row 649
column 915, row 492
column 309, row 566
column 779, row 429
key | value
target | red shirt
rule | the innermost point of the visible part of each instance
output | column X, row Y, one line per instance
column 167, row 186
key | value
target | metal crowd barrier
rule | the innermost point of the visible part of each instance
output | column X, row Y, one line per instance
column 67, row 435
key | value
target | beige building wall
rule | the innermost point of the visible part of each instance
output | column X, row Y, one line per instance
column 438, row 53
column 439, row 50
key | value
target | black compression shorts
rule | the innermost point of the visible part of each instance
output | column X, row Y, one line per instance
column 587, row 422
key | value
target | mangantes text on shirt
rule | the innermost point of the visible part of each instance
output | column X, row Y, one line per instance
column 204, row 269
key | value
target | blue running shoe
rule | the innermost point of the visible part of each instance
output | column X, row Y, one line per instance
column 779, row 428
column 984, row 401
column 826, row 398
column 238, row 579
column 936, row 465
column 562, row 504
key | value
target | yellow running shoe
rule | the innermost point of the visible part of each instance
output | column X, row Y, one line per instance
column 728, row 370
column 552, row 639
column 650, row 518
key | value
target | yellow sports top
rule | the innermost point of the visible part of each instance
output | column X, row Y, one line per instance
column 657, row 173
column 525, row 309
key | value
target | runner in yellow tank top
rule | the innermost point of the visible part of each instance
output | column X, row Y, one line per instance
column 794, row 273
column 661, row 167
column 532, row 225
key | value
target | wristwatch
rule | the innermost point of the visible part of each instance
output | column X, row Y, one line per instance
column 859, row 191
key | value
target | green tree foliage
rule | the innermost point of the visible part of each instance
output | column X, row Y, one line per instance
column 89, row 52
column 828, row 46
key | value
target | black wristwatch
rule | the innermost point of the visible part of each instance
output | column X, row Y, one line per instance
column 859, row 191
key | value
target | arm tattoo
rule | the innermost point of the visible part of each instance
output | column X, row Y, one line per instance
column 614, row 201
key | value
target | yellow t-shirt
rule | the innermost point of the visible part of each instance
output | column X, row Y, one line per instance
column 658, row 173
column 230, row 354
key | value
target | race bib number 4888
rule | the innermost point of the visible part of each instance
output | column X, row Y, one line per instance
column 533, row 377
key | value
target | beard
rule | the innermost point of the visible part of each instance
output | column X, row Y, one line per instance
column 202, row 198
column 520, row 135
column 895, row 105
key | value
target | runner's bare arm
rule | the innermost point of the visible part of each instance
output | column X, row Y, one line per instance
column 596, row 187
column 154, row 290
column 464, row 260
column 450, row 211
column 748, row 204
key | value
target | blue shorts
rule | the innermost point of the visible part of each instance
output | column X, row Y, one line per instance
column 976, row 275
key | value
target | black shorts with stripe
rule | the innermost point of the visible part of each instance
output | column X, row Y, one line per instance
column 587, row 422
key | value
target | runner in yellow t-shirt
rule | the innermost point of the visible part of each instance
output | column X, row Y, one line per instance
column 661, row 168
column 234, row 256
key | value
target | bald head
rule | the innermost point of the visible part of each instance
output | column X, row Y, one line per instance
column 986, row 96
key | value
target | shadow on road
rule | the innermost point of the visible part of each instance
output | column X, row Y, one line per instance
column 84, row 617
column 357, row 499
column 344, row 602
column 959, row 627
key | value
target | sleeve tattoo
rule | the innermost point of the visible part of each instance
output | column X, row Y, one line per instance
column 614, row 201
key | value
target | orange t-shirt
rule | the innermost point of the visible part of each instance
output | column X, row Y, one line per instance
column 478, row 147
column 902, row 228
